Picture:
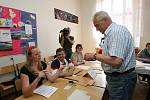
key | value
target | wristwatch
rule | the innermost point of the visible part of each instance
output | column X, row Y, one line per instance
column 94, row 57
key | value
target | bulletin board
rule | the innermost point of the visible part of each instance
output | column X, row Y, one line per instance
column 18, row 30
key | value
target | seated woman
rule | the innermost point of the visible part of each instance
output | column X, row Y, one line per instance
column 33, row 73
column 61, row 61
column 144, row 55
column 77, row 56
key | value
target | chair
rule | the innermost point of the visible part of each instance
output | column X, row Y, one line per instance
column 18, row 87
column 143, row 78
column 18, row 81
column 19, row 66
column 8, row 85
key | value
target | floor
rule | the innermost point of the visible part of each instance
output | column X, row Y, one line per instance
column 140, row 93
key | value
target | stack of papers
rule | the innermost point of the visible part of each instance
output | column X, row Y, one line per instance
column 147, row 67
column 139, row 64
column 83, row 67
column 142, row 65
column 92, row 74
column 79, row 95
column 95, row 62
column 45, row 91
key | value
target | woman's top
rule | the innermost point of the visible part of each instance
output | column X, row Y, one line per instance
column 78, row 57
column 31, row 75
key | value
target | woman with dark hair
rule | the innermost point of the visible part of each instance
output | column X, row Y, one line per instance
column 33, row 73
column 66, row 41
column 77, row 57
column 144, row 55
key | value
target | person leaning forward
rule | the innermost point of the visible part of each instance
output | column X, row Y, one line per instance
column 118, row 57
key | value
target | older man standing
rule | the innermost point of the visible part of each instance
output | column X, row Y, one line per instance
column 118, row 57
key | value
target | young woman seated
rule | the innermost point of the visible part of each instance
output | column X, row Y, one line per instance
column 34, row 72
column 61, row 61
column 77, row 56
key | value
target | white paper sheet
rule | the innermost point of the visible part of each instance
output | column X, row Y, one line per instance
column 28, row 29
column 83, row 67
column 95, row 62
column 79, row 95
column 31, row 43
column 92, row 73
column 139, row 64
column 45, row 91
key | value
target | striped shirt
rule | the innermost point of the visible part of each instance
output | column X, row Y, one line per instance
column 118, row 42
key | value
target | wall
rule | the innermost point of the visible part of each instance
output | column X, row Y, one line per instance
column 48, row 27
column 88, row 9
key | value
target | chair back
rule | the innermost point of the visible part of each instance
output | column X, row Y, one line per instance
column 7, row 69
column 18, row 85
column 20, row 65
column 5, row 86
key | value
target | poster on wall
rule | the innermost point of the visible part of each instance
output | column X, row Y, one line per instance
column 17, row 31
column 65, row 16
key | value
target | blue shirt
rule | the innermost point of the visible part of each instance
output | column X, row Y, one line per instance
column 118, row 42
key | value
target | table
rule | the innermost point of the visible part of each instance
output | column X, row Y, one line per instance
column 142, row 68
column 95, row 92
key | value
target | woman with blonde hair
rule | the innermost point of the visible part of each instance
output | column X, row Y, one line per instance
column 35, row 71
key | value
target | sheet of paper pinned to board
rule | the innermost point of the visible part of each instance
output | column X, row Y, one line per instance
column 28, row 29
column 31, row 43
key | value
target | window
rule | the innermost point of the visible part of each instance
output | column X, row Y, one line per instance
column 123, row 12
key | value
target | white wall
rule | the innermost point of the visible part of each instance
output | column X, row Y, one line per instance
column 47, row 26
column 88, row 9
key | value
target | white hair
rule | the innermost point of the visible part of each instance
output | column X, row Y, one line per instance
column 101, row 15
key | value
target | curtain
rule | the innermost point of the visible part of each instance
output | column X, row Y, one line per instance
column 123, row 12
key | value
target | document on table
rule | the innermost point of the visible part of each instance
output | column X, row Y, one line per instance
column 95, row 62
column 146, row 67
column 83, row 67
column 45, row 90
column 139, row 64
column 92, row 74
column 79, row 95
